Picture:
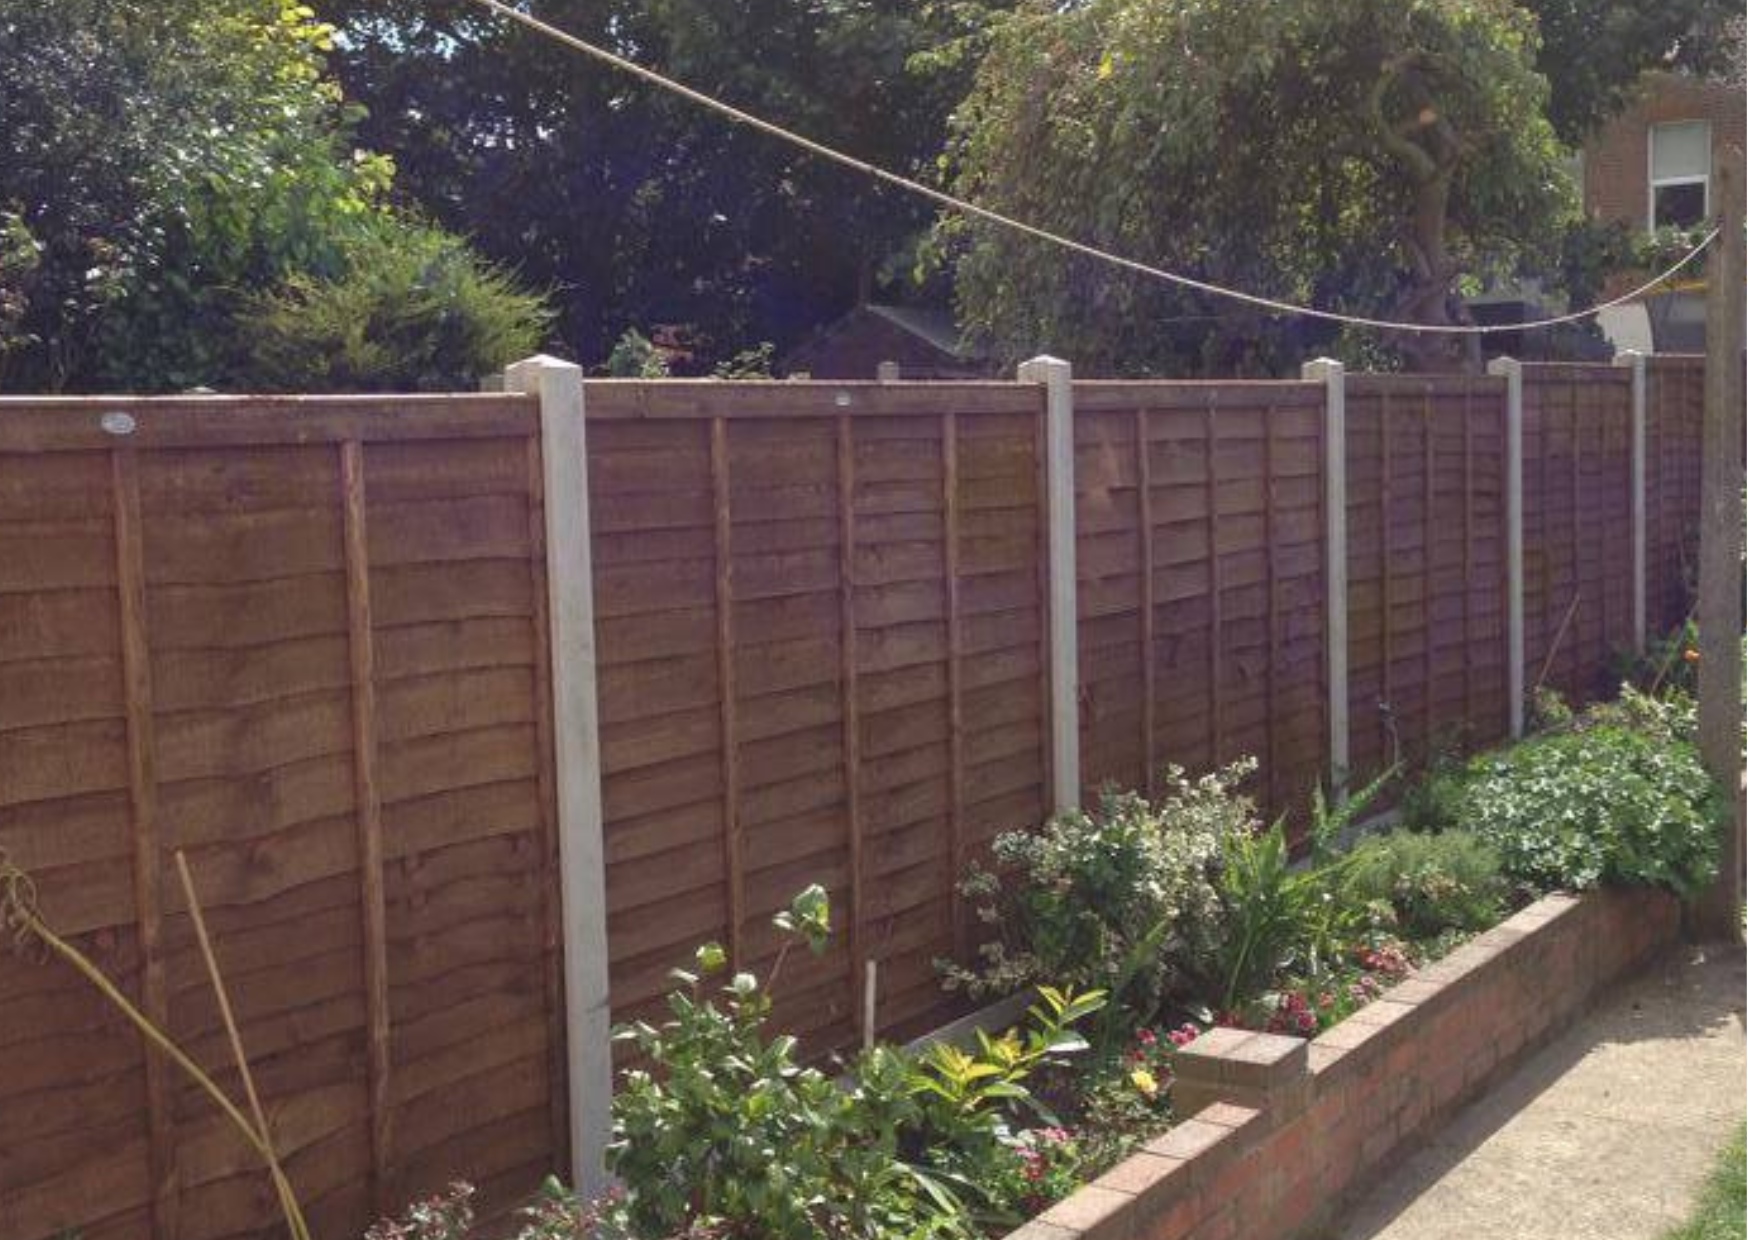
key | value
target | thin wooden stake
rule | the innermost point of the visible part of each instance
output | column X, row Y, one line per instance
column 282, row 1186
column 361, row 643
column 1559, row 636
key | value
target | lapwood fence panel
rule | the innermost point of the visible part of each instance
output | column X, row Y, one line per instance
column 1577, row 526
column 821, row 626
column 1426, row 567
column 307, row 641
column 1201, row 535
column 303, row 641
column 1675, row 406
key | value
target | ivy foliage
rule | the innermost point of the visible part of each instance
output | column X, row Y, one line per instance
column 1615, row 795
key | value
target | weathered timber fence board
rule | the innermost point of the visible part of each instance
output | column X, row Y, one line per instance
column 308, row 640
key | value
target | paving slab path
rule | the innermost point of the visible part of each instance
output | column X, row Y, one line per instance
column 1607, row 1133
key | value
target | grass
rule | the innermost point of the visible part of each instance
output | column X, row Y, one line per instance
column 1721, row 1213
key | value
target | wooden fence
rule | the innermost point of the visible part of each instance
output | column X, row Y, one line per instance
column 304, row 642
column 841, row 634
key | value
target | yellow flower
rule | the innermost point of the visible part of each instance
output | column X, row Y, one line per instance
column 1144, row 1082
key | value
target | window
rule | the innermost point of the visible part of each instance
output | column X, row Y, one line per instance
column 1681, row 165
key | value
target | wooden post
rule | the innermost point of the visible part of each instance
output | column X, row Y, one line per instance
column 1720, row 539
column 577, row 741
column 142, row 760
column 1634, row 361
column 851, row 723
column 956, row 854
column 1057, row 378
column 1511, row 370
column 361, row 645
column 1334, row 379
column 1149, row 671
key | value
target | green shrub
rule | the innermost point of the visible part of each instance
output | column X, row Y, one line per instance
column 1279, row 916
column 1432, row 883
column 414, row 310
column 725, row 1131
column 1597, row 803
column 1124, row 900
column 635, row 356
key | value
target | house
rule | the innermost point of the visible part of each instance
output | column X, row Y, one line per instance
column 922, row 341
column 1651, row 167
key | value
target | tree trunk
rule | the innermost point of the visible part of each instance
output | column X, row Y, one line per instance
column 1427, row 299
column 1720, row 544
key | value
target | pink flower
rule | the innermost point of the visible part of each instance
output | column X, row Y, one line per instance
column 1147, row 1037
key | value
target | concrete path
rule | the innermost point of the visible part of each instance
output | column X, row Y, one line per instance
column 1606, row 1134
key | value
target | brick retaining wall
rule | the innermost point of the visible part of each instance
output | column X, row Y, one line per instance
column 1280, row 1130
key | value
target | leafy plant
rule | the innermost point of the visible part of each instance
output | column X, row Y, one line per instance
column 725, row 1131
column 1280, row 916
column 634, row 356
column 1430, row 882
column 754, row 363
column 1123, row 901
column 1604, row 803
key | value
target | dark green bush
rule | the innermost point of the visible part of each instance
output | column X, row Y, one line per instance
column 1433, row 883
column 414, row 310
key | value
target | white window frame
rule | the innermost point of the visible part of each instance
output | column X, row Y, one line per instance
column 1653, row 184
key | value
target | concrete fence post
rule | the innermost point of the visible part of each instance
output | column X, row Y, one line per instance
column 888, row 372
column 1057, row 378
column 1511, row 370
column 577, row 741
column 1635, row 362
column 1333, row 376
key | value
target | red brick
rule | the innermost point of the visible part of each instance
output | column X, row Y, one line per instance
column 1094, row 1212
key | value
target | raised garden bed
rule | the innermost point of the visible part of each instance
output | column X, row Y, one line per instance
column 1274, row 1131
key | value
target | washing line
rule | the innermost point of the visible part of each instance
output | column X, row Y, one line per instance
column 974, row 211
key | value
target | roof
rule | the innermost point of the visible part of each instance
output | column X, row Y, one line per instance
column 929, row 323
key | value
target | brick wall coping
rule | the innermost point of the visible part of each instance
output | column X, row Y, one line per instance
column 1276, row 1131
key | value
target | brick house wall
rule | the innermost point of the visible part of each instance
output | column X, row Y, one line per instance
column 1616, row 159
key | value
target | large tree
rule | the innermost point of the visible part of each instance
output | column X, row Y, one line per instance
column 1358, row 154
column 165, row 165
column 158, row 159
column 637, row 207
column 1593, row 51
